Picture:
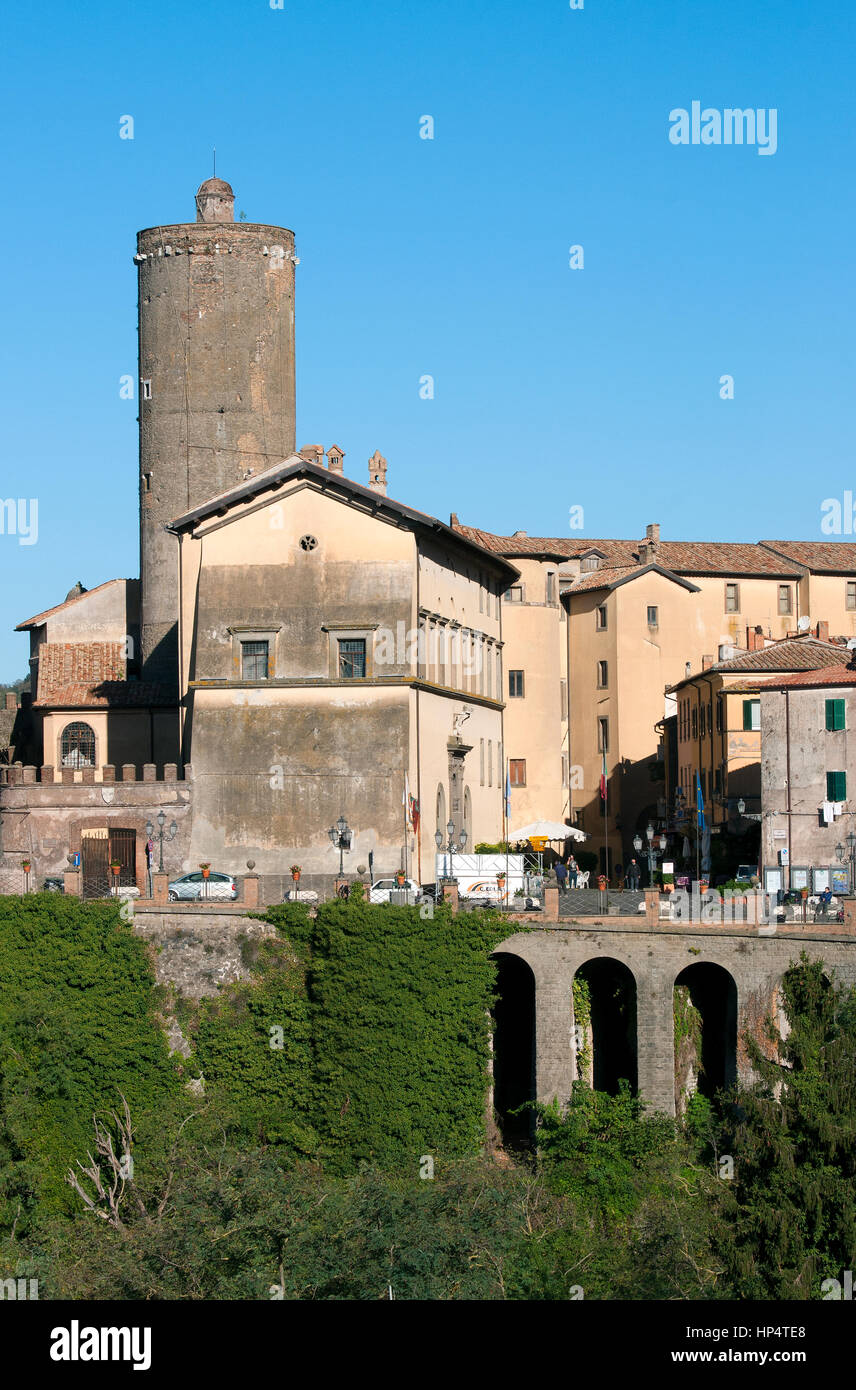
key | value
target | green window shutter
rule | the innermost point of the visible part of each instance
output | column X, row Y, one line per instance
column 836, row 786
column 834, row 715
column 747, row 714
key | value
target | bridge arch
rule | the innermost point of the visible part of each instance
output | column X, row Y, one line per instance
column 514, row 1054
column 605, row 1024
column 705, row 1039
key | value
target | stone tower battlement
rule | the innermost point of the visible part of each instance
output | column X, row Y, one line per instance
column 217, row 393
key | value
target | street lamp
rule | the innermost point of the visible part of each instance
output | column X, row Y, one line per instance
column 150, row 832
column 741, row 806
column 451, row 847
column 340, row 837
column 651, row 853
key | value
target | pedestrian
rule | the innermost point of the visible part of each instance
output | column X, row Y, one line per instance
column 633, row 876
column 573, row 870
column 561, row 875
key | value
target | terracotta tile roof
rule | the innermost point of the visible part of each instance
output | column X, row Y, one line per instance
column 684, row 557
column 49, row 612
column 62, row 664
column 791, row 654
column 830, row 675
column 108, row 695
column 824, row 557
column 600, row 578
column 722, row 557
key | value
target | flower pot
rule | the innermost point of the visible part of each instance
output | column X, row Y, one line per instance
column 206, row 873
column 116, row 869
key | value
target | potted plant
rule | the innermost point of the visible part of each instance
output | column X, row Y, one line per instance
column 26, row 865
column 116, row 867
column 668, row 882
column 206, row 870
column 295, row 872
column 400, row 877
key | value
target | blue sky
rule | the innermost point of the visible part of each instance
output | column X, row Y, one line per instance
column 448, row 257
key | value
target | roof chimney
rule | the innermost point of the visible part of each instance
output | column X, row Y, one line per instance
column 652, row 533
column 313, row 453
column 754, row 639
column 453, row 521
column 823, row 632
column 334, row 459
column 377, row 472
column 706, row 663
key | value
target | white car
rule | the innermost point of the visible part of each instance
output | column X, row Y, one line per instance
column 380, row 891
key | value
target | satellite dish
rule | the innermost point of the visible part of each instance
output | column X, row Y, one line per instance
column 804, row 623
column 851, row 645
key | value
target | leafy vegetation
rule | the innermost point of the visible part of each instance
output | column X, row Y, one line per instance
column 348, row 1163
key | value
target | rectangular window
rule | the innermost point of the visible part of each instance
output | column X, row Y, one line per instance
column 703, row 780
column 352, row 657
column 602, row 674
column 732, row 598
column 717, row 781
column 481, row 762
column 254, row 661
column 784, row 598
column 603, row 736
column 600, row 621
column 517, row 772
column 702, row 722
column 719, row 714
column 653, row 616
column 835, row 715
column 695, row 721
column 752, row 714
column 146, row 388
column 551, row 587
column 851, row 594
column 515, row 685
column 563, row 699
column 514, row 594
column 564, row 769
column 490, row 762
column 836, row 786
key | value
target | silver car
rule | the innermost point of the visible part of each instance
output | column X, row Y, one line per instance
column 195, row 886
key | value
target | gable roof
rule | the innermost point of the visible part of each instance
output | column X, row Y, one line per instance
column 58, row 607
column 614, row 578
column 807, row 655
column 843, row 675
column 295, row 467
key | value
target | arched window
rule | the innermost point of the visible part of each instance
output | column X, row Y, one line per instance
column 441, row 811
column 77, row 747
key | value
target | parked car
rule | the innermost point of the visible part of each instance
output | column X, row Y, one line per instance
column 380, row 891
column 53, row 885
column 195, row 886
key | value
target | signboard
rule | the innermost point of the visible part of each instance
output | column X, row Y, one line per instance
column 820, row 880
column 783, row 856
column 799, row 879
column 772, row 880
column 841, row 879
column 668, row 867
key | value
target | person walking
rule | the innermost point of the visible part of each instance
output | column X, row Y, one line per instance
column 561, row 875
column 633, row 876
column 573, row 870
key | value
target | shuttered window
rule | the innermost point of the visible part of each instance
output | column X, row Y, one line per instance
column 836, row 786
column 834, row 715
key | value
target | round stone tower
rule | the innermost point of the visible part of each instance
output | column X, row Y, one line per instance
column 216, row 351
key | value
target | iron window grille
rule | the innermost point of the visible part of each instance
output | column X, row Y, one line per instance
column 254, row 660
column 352, row 658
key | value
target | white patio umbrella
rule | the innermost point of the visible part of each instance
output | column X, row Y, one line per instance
column 548, row 830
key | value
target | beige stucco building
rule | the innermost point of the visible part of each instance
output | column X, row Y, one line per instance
column 333, row 642
column 637, row 617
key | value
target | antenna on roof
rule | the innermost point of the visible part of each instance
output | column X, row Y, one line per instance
column 215, row 161
column 804, row 623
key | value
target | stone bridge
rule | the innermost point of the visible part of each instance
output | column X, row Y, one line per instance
column 733, row 974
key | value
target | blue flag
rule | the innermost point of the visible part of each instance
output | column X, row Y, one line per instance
column 700, row 820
